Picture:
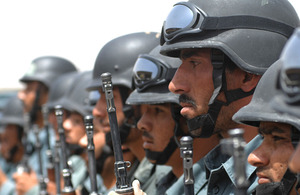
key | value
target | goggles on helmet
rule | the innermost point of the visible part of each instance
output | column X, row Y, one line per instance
column 149, row 71
column 187, row 18
column 290, row 81
column 94, row 96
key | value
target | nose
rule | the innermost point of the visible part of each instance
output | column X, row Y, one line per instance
column 179, row 83
column 99, row 110
column 21, row 95
column 259, row 157
column 67, row 125
column 83, row 141
column 144, row 123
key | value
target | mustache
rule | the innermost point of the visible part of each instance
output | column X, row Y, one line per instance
column 262, row 169
column 183, row 98
column 146, row 134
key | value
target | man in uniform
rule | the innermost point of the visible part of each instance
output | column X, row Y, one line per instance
column 161, row 122
column 287, row 83
column 118, row 57
column 42, row 71
column 224, row 46
column 12, row 149
column 280, row 132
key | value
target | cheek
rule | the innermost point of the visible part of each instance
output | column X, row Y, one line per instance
column 163, row 133
column 99, row 142
column 280, row 159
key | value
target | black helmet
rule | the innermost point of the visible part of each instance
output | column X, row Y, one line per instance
column 46, row 69
column 251, row 33
column 118, row 57
column 288, row 81
column 152, row 74
column 259, row 109
column 77, row 97
column 13, row 112
column 59, row 87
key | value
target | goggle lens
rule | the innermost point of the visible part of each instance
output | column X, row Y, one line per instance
column 180, row 17
column 144, row 71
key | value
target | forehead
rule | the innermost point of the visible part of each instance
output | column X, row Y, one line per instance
column 202, row 52
column 10, row 129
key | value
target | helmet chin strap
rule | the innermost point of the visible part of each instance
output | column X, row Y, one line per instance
column 203, row 125
column 162, row 157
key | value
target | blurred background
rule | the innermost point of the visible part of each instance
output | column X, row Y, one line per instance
column 73, row 29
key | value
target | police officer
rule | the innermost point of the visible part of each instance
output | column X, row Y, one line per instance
column 161, row 122
column 42, row 71
column 12, row 149
column 58, row 88
column 279, row 132
column 75, row 105
column 287, row 101
column 224, row 47
column 118, row 57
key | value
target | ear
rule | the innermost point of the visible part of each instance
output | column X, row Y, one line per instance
column 250, row 81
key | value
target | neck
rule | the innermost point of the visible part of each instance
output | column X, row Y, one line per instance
column 137, row 150
column 108, row 173
column 19, row 155
column 175, row 161
column 202, row 146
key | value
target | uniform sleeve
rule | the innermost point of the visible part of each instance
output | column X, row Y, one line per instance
column 8, row 188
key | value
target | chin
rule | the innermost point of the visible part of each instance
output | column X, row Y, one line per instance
column 152, row 161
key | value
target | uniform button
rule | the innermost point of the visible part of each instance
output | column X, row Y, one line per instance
column 216, row 189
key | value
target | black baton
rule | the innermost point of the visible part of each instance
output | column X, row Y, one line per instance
column 123, row 185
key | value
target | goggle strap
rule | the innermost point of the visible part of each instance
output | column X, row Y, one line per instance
column 170, row 74
column 247, row 22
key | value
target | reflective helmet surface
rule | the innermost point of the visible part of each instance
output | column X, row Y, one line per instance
column 76, row 99
column 156, row 93
column 257, row 32
column 59, row 87
column 288, row 83
column 118, row 57
column 13, row 112
column 259, row 109
column 46, row 69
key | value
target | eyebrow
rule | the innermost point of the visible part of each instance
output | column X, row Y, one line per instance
column 270, row 130
column 189, row 54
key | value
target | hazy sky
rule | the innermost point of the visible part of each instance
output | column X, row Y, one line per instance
column 73, row 29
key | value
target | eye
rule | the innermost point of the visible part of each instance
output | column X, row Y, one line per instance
column 195, row 63
column 158, row 110
column 277, row 138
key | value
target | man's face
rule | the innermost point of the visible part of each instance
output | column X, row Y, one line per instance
column 157, row 125
column 101, row 120
column 74, row 127
column 99, row 142
column 53, row 122
column 9, row 140
column 28, row 95
column 272, row 156
column 193, row 81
